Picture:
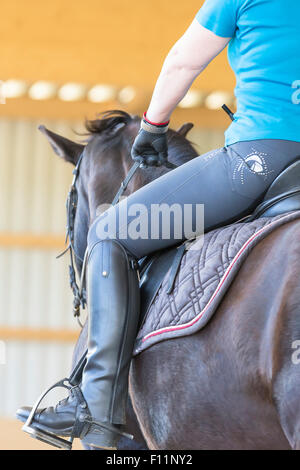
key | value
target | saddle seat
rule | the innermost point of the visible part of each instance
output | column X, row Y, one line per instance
column 282, row 196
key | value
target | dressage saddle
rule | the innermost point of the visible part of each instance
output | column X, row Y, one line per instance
column 282, row 196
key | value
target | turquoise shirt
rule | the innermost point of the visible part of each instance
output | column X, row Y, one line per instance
column 264, row 53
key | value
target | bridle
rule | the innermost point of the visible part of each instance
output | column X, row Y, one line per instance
column 79, row 291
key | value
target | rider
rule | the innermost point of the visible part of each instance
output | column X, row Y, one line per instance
column 264, row 137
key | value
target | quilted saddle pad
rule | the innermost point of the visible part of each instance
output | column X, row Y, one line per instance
column 204, row 277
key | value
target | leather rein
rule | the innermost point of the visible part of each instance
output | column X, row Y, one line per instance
column 79, row 291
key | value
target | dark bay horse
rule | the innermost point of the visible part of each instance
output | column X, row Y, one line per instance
column 235, row 384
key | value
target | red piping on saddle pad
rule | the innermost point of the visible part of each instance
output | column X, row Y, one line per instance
column 200, row 315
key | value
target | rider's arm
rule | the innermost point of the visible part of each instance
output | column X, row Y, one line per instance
column 185, row 61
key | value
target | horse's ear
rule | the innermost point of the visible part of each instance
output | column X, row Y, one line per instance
column 67, row 149
column 185, row 128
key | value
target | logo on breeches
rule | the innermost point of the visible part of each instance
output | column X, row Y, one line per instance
column 254, row 163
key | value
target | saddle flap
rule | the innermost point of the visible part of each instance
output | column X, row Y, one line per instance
column 153, row 274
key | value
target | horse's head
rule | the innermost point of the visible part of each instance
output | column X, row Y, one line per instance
column 105, row 163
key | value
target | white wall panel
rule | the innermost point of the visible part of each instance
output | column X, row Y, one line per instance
column 33, row 180
column 30, row 369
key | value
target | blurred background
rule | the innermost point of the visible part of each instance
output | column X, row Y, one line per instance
column 63, row 61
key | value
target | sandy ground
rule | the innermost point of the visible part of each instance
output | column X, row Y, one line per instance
column 13, row 438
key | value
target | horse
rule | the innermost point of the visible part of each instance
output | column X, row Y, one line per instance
column 234, row 385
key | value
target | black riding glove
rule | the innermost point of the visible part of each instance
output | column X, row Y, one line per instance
column 150, row 147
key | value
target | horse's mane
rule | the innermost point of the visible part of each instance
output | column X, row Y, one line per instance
column 108, row 122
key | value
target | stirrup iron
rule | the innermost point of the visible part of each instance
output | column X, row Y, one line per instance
column 45, row 436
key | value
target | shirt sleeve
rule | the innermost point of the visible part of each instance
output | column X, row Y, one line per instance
column 219, row 16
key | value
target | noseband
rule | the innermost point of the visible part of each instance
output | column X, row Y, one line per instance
column 79, row 291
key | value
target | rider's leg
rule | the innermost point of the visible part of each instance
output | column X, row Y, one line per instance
column 104, row 387
column 229, row 182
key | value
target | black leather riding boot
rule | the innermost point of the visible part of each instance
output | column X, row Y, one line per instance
column 96, row 408
column 113, row 300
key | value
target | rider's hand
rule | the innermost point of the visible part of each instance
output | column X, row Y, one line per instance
column 150, row 147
